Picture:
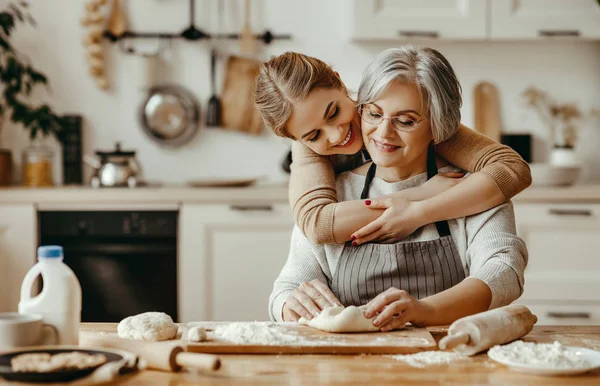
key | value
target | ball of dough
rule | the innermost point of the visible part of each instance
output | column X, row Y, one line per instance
column 197, row 334
column 152, row 326
column 342, row 319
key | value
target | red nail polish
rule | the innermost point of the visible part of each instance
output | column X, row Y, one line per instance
column 354, row 244
column 352, row 237
column 368, row 202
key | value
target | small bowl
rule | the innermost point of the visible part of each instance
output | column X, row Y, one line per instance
column 545, row 174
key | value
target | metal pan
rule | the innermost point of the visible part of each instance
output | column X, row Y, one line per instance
column 170, row 115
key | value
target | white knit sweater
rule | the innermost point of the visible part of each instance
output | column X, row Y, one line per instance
column 487, row 243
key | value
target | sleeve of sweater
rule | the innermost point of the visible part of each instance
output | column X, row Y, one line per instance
column 474, row 152
column 306, row 261
column 495, row 254
column 312, row 193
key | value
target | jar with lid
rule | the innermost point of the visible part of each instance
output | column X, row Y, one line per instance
column 37, row 166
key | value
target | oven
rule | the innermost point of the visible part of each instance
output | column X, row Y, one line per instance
column 125, row 260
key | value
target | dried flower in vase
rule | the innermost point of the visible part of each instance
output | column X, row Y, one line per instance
column 559, row 118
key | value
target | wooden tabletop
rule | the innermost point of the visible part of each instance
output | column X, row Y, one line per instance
column 374, row 369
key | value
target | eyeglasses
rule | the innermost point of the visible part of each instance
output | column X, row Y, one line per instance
column 403, row 122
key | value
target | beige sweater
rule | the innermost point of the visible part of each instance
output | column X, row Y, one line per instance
column 312, row 193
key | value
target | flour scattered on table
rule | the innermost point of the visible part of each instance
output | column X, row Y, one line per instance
column 263, row 333
column 429, row 358
column 549, row 355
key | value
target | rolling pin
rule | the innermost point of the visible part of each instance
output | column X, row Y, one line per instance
column 164, row 356
column 472, row 334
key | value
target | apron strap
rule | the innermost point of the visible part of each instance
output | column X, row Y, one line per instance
column 442, row 226
column 370, row 175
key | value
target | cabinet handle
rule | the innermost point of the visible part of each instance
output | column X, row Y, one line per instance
column 570, row 212
column 558, row 33
column 252, row 208
column 419, row 34
column 563, row 315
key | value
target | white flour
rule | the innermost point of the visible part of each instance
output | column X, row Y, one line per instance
column 428, row 358
column 553, row 355
column 261, row 333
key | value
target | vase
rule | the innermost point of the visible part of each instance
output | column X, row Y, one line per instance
column 563, row 156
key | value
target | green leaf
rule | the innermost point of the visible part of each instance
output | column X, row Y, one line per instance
column 36, row 77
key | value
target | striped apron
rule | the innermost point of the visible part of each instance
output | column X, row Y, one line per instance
column 421, row 268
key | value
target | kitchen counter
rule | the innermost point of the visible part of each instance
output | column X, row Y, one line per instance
column 375, row 369
column 167, row 194
column 259, row 193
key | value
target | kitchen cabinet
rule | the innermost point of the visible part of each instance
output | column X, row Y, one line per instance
column 229, row 257
column 475, row 19
column 561, row 279
column 534, row 19
column 18, row 241
column 406, row 19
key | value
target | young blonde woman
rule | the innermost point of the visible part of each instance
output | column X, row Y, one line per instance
column 439, row 273
column 303, row 98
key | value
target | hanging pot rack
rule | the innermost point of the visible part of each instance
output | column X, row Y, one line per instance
column 191, row 33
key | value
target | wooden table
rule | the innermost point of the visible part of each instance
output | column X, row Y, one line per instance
column 373, row 370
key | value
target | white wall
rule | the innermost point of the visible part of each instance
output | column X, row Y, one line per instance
column 568, row 70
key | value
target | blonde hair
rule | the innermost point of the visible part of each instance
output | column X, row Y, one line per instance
column 286, row 79
column 433, row 75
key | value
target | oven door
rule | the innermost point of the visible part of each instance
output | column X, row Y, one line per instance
column 120, row 279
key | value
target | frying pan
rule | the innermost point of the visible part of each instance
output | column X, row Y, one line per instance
column 170, row 115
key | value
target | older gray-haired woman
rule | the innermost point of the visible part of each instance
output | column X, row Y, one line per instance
column 441, row 272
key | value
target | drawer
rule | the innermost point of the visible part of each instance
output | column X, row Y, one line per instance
column 558, row 313
column 563, row 241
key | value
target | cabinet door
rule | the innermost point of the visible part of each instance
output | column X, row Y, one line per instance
column 566, row 313
column 532, row 19
column 564, row 249
column 18, row 241
column 229, row 259
column 407, row 19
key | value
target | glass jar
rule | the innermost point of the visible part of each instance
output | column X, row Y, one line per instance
column 37, row 166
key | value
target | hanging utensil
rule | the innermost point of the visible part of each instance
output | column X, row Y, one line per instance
column 213, row 111
column 170, row 115
column 487, row 111
column 247, row 43
column 193, row 33
column 116, row 20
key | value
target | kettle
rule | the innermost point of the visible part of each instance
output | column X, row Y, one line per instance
column 114, row 168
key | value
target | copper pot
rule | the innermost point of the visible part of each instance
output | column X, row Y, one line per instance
column 5, row 167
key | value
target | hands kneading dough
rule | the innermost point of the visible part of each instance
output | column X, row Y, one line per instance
column 342, row 319
column 152, row 326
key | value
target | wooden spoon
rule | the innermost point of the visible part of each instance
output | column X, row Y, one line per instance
column 116, row 20
column 248, row 43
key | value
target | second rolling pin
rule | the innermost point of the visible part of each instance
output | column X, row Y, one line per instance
column 479, row 332
column 164, row 356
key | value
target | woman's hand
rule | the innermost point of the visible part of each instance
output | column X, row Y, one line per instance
column 403, row 213
column 308, row 301
column 400, row 218
column 396, row 307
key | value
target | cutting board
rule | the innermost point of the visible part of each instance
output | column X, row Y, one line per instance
column 311, row 341
column 238, row 110
column 487, row 110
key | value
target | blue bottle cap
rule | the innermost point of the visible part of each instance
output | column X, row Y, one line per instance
column 50, row 251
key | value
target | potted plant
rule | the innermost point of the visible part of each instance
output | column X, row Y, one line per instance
column 18, row 78
column 562, row 121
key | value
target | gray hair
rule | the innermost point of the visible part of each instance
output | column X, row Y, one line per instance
column 430, row 71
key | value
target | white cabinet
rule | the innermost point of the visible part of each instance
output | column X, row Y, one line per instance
column 530, row 19
column 404, row 19
column 561, row 278
column 475, row 19
column 18, row 240
column 229, row 257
